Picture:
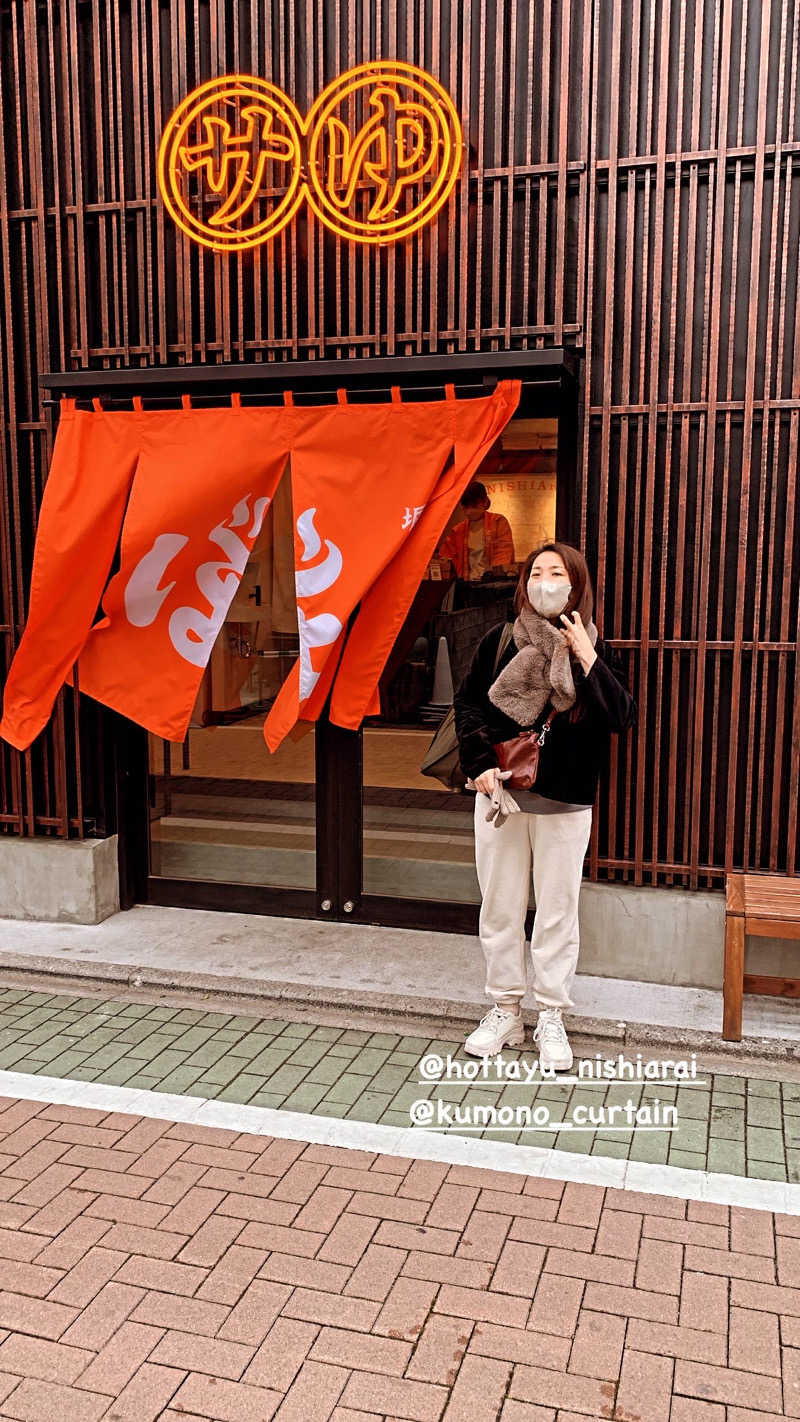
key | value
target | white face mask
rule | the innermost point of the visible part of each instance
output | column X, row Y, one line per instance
column 548, row 597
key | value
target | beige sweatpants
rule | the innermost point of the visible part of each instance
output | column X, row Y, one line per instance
column 557, row 846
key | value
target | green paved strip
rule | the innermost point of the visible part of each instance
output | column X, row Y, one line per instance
column 734, row 1124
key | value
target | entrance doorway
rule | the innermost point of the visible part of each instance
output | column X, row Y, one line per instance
column 337, row 823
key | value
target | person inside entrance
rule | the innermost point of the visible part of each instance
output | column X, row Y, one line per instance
column 481, row 542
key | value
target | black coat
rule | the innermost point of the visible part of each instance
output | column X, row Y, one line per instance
column 574, row 753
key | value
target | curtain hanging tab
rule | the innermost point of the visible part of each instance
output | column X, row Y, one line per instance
column 341, row 396
column 186, row 401
column 67, row 404
column 288, row 397
column 450, row 392
column 236, row 400
column 137, row 404
column 97, row 404
column 396, row 395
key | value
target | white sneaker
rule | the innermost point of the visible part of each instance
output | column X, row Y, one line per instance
column 555, row 1051
column 499, row 1028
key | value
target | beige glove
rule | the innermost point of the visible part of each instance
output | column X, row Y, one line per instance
column 501, row 801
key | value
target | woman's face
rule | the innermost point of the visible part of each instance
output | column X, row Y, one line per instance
column 548, row 572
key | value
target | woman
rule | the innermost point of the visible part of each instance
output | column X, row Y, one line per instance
column 554, row 662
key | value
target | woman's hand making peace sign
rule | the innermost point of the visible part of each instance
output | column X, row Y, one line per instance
column 578, row 639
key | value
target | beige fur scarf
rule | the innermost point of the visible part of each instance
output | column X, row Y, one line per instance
column 540, row 671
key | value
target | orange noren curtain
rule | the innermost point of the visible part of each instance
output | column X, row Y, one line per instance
column 386, row 603
column 372, row 486
column 91, row 472
column 382, row 481
column 203, row 484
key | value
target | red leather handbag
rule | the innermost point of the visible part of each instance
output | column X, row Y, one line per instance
column 520, row 755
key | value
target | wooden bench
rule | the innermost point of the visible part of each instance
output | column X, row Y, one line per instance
column 767, row 906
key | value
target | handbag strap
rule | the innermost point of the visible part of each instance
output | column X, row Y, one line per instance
column 542, row 731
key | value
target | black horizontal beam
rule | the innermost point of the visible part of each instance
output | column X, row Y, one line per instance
column 550, row 362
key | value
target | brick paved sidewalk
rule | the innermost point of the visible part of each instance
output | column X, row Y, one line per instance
column 152, row 1270
column 734, row 1124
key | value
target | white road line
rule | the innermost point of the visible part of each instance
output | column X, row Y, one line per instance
column 407, row 1141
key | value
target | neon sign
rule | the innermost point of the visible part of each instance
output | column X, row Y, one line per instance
column 376, row 157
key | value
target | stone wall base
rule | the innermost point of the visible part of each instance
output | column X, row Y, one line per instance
column 670, row 936
column 59, row 880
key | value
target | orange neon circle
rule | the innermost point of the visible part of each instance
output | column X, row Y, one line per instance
column 424, row 113
column 214, row 135
column 214, row 129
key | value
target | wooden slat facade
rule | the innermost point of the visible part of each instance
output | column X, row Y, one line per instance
column 632, row 188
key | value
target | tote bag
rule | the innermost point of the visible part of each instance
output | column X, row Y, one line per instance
column 441, row 758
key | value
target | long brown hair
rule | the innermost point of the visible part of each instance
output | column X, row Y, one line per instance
column 581, row 597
